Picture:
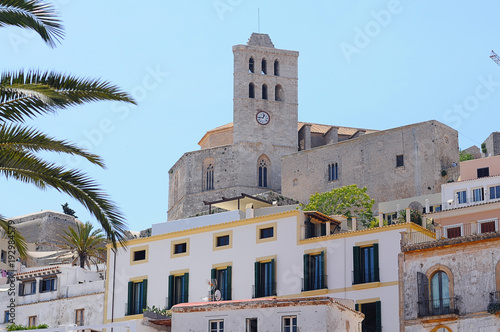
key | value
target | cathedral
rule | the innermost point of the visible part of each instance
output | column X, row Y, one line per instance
column 266, row 147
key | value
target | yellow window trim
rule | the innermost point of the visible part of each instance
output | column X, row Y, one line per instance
column 138, row 279
column 178, row 272
column 365, row 243
column 219, row 234
column 274, row 225
column 135, row 249
column 220, row 266
column 175, row 242
column 266, row 259
column 315, row 251
column 365, row 301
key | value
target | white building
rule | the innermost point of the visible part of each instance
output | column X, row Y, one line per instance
column 258, row 252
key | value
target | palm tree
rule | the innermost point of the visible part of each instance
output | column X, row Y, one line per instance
column 27, row 94
column 86, row 245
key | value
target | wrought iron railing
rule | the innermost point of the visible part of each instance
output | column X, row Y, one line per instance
column 365, row 276
column 265, row 289
column 315, row 284
column 494, row 305
column 442, row 306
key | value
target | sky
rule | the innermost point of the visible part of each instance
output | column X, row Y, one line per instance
column 370, row 64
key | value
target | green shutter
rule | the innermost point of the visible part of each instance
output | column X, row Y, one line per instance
column 273, row 278
column 185, row 299
column 322, row 270
column 355, row 265
column 170, row 291
column 323, row 229
column 378, row 316
column 306, row 272
column 130, row 304
column 229, row 283
column 356, row 306
column 144, row 294
column 213, row 275
column 257, row 279
column 376, row 273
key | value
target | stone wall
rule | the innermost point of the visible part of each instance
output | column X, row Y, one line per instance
column 492, row 144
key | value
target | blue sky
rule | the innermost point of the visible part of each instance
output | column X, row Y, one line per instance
column 369, row 64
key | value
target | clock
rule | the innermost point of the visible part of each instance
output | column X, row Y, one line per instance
column 262, row 117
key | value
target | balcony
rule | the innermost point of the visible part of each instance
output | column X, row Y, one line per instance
column 494, row 305
column 266, row 289
column 437, row 307
column 365, row 276
column 315, row 284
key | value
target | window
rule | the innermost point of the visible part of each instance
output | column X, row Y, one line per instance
column 251, row 90
column 278, row 93
column 487, row 226
column 373, row 317
column 314, row 228
column 79, row 313
column 462, row 196
column 440, row 295
column 452, row 232
column 314, row 271
column 137, row 296
column 400, row 160
column 223, row 277
column 217, row 325
column 289, row 324
column 6, row 317
column 180, row 248
column 495, row 192
column 178, row 289
column 276, row 68
column 31, row 321
column 251, row 325
column 483, row 172
column 333, row 172
column 266, row 232
column 222, row 240
column 27, row 288
column 478, row 194
column 251, row 65
column 264, row 91
column 365, row 264
column 208, row 174
column 264, row 67
column 263, row 163
column 48, row 284
column 3, row 257
column 264, row 279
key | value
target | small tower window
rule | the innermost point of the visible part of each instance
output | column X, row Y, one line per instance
column 251, row 65
column 276, row 68
column 263, row 166
column 264, row 91
column 251, row 90
column 208, row 174
column 264, row 67
column 278, row 93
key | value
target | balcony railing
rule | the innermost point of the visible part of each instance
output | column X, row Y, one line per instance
column 265, row 289
column 443, row 306
column 365, row 276
column 494, row 305
column 315, row 284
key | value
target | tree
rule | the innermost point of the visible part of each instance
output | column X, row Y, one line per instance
column 86, row 244
column 415, row 217
column 349, row 201
column 25, row 95
column 465, row 156
column 67, row 210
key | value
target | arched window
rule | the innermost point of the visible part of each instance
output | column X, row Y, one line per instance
column 263, row 166
column 208, row 174
column 278, row 93
column 264, row 67
column 276, row 68
column 440, row 293
column 251, row 90
column 251, row 65
column 264, row 91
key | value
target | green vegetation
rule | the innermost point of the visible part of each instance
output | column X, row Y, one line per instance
column 19, row 327
column 349, row 201
column 465, row 156
column 87, row 245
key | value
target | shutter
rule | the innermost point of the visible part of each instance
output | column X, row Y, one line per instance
column 185, row 298
column 40, row 286
column 376, row 271
column 322, row 270
column 144, row 294
column 306, row 272
column 21, row 289
column 213, row 275
column 273, row 278
column 130, row 303
column 355, row 265
column 378, row 316
column 229, row 283
column 257, row 279
column 423, row 294
column 170, row 291
column 323, row 229
column 55, row 284
column 356, row 306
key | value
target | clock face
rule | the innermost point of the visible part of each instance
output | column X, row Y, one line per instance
column 262, row 117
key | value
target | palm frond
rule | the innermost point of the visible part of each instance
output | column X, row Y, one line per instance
column 13, row 234
column 28, row 168
column 35, row 15
column 20, row 138
column 27, row 94
column 84, row 243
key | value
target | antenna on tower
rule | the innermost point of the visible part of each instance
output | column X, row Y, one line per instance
column 494, row 57
column 258, row 19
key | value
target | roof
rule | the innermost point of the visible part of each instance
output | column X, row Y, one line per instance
column 239, row 202
column 260, row 39
column 323, row 217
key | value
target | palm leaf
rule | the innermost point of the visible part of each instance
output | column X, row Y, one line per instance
column 32, row 14
column 13, row 234
column 27, row 94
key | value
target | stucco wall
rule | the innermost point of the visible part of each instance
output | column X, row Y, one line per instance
column 468, row 169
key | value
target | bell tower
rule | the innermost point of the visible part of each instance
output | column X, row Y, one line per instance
column 265, row 93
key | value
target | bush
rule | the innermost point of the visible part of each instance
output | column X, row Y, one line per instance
column 19, row 327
